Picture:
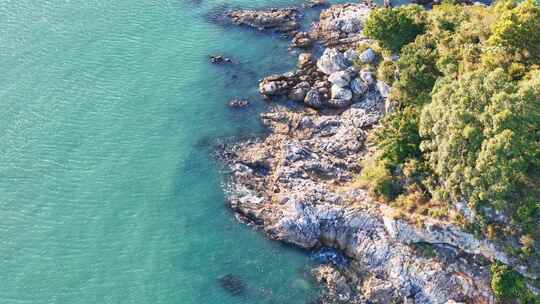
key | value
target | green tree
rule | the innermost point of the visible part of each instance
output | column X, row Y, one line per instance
column 417, row 71
column 395, row 27
column 398, row 138
column 518, row 30
column 481, row 135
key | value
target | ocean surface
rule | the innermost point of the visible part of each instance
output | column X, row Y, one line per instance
column 109, row 191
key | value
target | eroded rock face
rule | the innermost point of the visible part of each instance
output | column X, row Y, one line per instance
column 238, row 103
column 303, row 198
column 282, row 20
column 232, row 284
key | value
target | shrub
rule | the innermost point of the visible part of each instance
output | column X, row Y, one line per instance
column 479, row 137
column 467, row 122
column 505, row 283
column 379, row 180
column 508, row 285
column 387, row 71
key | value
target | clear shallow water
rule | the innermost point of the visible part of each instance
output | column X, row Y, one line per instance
column 109, row 192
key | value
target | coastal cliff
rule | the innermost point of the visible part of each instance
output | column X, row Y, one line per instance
column 299, row 183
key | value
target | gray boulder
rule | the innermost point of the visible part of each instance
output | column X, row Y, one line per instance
column 331, row 61
column 340, row 78
column 341, row 93
column 340, row 97
column 313, row 98
column 367, row 56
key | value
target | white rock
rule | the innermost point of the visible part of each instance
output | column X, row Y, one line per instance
column 268, row 88
column 340, row 79
column 331, row 61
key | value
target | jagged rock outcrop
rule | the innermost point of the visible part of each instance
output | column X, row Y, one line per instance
column 295, row 185
column 341, row 25
column 284, row 20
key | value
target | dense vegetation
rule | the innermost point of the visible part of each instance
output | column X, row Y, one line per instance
column 463, row 139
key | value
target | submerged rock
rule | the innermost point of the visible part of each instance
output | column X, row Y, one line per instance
column 219, row 59
column 232, row 284
column 238, row 103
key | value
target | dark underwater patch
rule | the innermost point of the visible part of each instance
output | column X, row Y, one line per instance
column 233, row 284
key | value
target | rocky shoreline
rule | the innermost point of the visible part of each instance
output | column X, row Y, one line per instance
column 298, row 183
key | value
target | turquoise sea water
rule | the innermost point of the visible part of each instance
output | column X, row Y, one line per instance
column 108, row 189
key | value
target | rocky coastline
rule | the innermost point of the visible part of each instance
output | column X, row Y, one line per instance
column 297, row 184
